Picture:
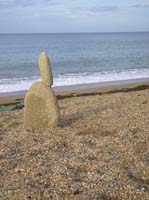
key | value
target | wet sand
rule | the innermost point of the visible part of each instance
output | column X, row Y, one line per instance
column 99, row 151
column 81, row 90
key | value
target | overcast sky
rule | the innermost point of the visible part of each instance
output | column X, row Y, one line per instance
column 46, row 16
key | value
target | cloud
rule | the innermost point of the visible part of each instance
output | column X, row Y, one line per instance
column 92, row 10
column 49, row 8
column 13, row 3
column 104, row 8
column 80, row 5
column 6, row 4
column 140, row 6
column 72, row 15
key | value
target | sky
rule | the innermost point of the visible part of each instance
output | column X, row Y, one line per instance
column 57, row 16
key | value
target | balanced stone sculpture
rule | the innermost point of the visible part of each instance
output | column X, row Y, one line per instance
column 41, row 108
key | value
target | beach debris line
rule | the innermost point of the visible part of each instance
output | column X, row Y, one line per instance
column 6, row 108
column 41, row 107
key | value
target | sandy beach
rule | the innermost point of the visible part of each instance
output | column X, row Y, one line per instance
column 100, row 150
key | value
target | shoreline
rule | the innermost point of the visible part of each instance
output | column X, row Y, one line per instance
column 82, row 90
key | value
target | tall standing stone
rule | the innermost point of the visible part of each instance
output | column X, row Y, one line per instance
column 45, row 69
column 41, row 108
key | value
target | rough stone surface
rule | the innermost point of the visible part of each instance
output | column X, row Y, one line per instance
column 41, row 108
column 45, row 69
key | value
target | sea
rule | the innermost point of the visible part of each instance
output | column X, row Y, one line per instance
column 77, row 58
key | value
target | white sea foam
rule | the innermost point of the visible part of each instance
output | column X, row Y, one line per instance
column 18, row 84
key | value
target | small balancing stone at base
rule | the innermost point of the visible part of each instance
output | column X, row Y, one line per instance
column 41, row 108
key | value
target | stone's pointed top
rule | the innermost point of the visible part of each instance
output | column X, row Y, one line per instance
column 43, row 53
column 45, row 69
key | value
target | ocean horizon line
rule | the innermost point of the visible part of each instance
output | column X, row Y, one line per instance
column 107, row 32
